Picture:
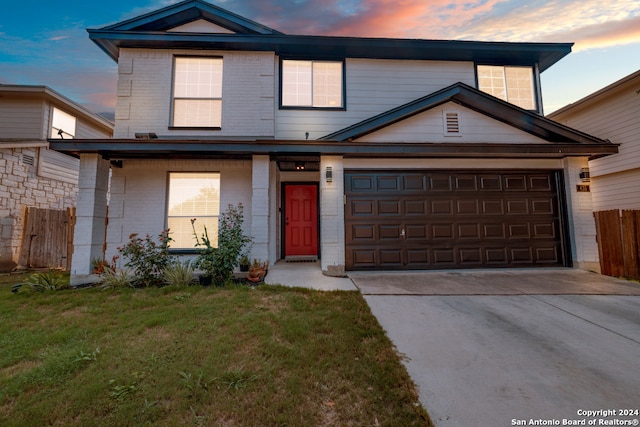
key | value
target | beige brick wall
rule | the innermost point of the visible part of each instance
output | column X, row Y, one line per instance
column 20, row 188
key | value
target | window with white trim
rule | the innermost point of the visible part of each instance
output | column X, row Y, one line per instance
column 197, row 92
column 315, row 84
column 509, row 83
column 63, row 125
column 193, row 203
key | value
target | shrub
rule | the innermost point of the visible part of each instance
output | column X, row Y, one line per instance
column 44, row 282
column 218, row 263
column 147, row 258
column 178, row 274
column 116, row 279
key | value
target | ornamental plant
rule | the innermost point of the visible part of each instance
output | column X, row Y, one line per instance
column 146, row 258
column 219, row 262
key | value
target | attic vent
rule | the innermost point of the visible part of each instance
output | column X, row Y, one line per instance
column 28, row 160
column 451, row 123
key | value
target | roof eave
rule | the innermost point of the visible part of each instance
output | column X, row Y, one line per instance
column 543, row 54
column 130, row 148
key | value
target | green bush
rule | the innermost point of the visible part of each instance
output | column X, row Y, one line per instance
column 219, row 262
column 178, row 274
column 116, row 279
column 44, row 282
column 147, row 258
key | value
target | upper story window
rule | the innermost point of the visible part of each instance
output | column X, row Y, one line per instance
column 509, row 83
column 63, row 125
column 197, row 92
column 312, row 84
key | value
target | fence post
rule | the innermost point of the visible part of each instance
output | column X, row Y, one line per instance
column 630, row 239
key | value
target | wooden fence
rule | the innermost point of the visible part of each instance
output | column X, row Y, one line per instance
column 618, row 238
column 47, row 239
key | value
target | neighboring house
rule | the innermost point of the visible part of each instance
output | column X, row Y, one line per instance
column 365, row 153
column 32, row 175
column 611, row 113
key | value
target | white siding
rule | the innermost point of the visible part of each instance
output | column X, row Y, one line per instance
column 139, row 192
column 614, row 116
column 22, row 118
column 58, row 166
column 373, row 87
column 616, row 191
column 145, row 87
column 430, row 127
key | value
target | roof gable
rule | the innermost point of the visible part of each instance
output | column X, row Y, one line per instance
column 200, row 26
column 189, row 11
column 475, row 100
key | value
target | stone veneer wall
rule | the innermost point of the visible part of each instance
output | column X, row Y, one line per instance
column 20, row 188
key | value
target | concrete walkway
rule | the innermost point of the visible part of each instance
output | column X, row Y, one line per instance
column 512, row 358
column 306, row 275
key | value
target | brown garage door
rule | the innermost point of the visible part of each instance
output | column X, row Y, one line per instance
column 457, row 219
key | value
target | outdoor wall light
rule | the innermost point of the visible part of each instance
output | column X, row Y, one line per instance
column 299, row 166
column 328, row 174
column 585, row 175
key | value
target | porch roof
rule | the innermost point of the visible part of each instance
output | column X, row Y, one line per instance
column 117, row 149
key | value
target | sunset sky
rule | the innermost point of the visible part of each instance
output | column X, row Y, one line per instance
column 46, row 43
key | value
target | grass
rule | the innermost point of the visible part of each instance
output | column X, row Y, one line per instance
column 236, row 356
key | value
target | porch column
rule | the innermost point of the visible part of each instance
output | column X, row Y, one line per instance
column 91, row 213
column 582, row 226
column 260, row 230
column 332, row 216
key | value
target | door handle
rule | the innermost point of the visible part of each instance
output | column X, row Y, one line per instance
column 402, row 234
column 286, row 221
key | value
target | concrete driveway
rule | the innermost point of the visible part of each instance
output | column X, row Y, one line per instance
column 504, row 348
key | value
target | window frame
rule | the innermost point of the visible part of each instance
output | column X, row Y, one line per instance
column 172, row 125
column 167, row 216
column 55, row 135
column 535, row 83
column 342, row 107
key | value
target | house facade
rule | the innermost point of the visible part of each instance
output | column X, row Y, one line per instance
column 31, row 174
column 611, row 113
column 363, row 153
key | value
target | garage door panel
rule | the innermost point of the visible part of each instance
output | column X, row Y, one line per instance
column 490, row 182
column 442, row 207
column 457, row 219
column 390, row 232
column 415, row 207
column 548, row 254
column 465, row 182
column 470, row 256
column 360, row 183
column 540, row 183
column 388, row 207
column 467, row 207
column 416, row 232
column 515, row 183
column 391, row 258
column 517, row 207
column 414, row 183
column 542, row 207
column 468, row 231
column 361, row 207
column 388, row 183
column 440, row 182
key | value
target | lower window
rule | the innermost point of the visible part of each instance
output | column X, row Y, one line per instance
column 194, row 203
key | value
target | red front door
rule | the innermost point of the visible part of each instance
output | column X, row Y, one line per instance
column 301, row 220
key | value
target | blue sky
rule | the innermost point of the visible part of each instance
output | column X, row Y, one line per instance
column 46, row 43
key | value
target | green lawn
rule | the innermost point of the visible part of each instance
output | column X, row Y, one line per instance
column 236, row 356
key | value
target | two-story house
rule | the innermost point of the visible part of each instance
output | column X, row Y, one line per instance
column 366, row 153
column 32, row 175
